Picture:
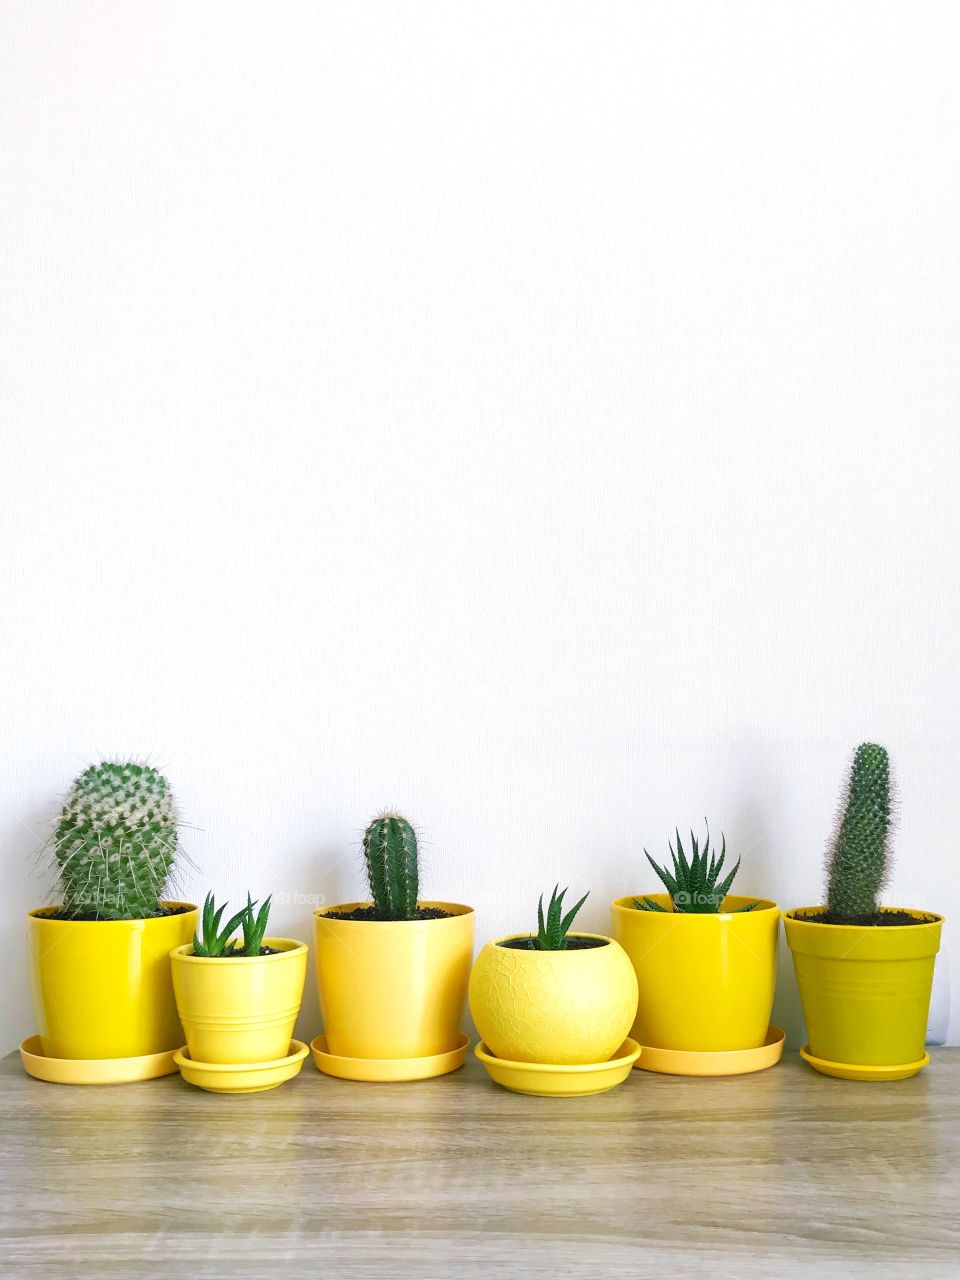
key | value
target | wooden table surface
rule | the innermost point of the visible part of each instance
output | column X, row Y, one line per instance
column 777, row 1174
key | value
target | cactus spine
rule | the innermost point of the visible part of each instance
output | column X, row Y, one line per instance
column 390, row 852
column 116, row 841
column 858, row 860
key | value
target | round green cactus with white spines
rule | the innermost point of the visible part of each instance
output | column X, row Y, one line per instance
column 116, row 841
column 859, row 859
column 391, row 856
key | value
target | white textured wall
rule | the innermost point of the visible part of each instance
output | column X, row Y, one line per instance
column 541, row 417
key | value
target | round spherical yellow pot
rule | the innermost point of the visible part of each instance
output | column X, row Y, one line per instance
column 706, row 981
column 393, row 988
column 240, row 1009
column 865, row 990
column 102, row 988
column 558, row 1007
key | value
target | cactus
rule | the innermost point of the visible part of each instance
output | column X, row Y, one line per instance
column 858, row 861
column 390, row 852
column 116, row 841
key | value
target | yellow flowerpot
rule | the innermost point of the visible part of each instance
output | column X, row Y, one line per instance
column 101, row 988
column 553, row 1007
column 706, row 981
column 865, row 990
column 240, row 1009
column 393, row 988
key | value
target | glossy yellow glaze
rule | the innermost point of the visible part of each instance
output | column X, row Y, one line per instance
column 247, row 1077
column 865, row 993
column 706, row 981
column 101, row 988
column 545, row 1080
column 387, row 1070
column 393, row 989
column 240, row 1010
column 553, row 1007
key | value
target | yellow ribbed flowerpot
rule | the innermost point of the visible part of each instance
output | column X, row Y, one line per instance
column 102, row 988
column 865, row 992
column 393, row 988
column 240, row 1009
column 553, row 1007
column 706, row 982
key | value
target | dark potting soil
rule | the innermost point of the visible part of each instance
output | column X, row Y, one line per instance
column 237, row 951
column 573, row 944
column 95, row 915
column 371, row 913
column 878, row 920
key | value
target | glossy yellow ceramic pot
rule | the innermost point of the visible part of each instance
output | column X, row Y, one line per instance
column 706, row 981
column 865, row 991
column 240, row 1009
column 393, row 988
column 102, row 988
column 553, row 1007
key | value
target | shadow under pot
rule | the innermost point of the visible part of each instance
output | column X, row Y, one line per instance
column 393, row 989
column 706, row 981
column 566, row 1007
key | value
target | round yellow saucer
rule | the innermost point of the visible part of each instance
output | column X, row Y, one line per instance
column 241, row 1077
column 850, row 1071
column 545, row 1080
column 729, row 1062
column 93, row 1070
column 387, row 1070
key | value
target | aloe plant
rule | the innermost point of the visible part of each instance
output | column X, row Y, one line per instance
column 858, row 863
column 392, row 861
column 115, row 843
column 553, row 928
column 212, row 941
column 694, row 886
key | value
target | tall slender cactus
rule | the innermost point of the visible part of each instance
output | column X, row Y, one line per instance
column 391, row 856
column 859, row 859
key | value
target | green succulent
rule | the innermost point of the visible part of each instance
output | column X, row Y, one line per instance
column 115, row 842
column 212, row 941
column 392, row 862
column 694, row 886
column 858, row 863
column 552, row 931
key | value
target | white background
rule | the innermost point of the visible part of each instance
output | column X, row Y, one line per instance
column 540, row 417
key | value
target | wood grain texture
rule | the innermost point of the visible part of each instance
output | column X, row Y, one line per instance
column 778, row 1174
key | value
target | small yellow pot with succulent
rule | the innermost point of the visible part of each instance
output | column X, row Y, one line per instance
column 556, row 1001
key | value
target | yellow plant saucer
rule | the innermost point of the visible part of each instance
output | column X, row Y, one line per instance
column 241, row 1077
column 546, row 1080
column 850, row 1071
column 93, row 1070
column 728, row 1062
column 387, row 1070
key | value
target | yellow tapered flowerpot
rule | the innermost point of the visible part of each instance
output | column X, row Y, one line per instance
column 393, row 988
column 865, row 991
column 553, row 1007
column 706, row 982
column 102, row 988
column 240, row 1009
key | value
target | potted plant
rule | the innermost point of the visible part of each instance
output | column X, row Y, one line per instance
column 705, row 961
column 100, row 965
column 553, row 997
column 864, row 971
column 392, row 972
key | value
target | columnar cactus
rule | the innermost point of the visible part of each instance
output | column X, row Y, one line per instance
column 390, row 852
column 116, row 841
column 858, row 860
